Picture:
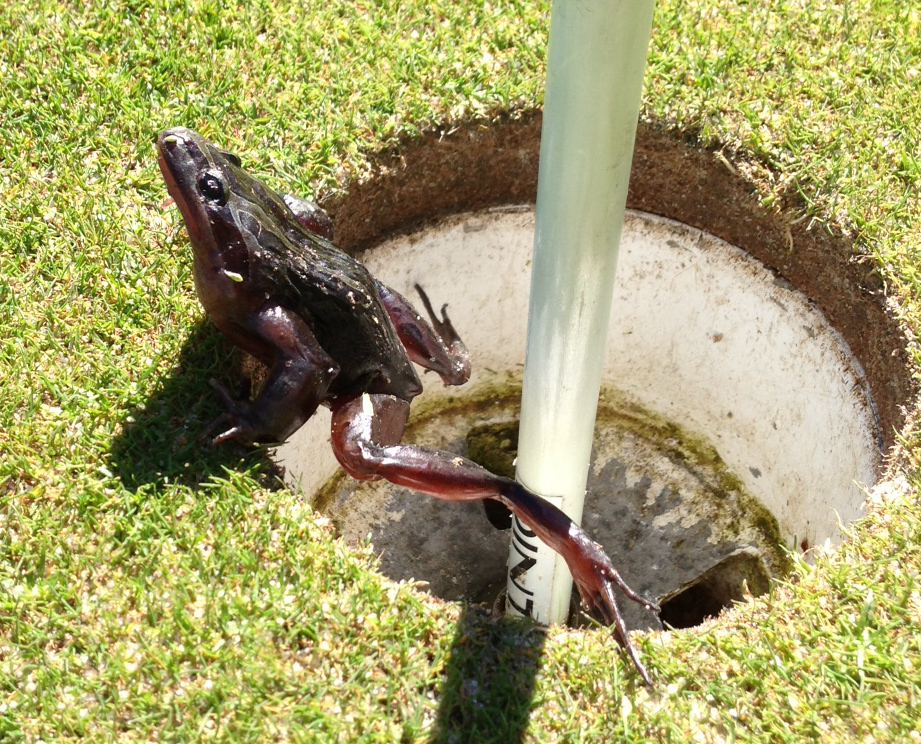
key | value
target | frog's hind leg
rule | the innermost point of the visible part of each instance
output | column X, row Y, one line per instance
column 435, row 345
column 439, row 348
column 366, row 434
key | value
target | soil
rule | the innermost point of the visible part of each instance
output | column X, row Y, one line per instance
column 481, row 165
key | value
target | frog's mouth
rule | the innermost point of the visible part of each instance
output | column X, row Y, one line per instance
column 178, row 157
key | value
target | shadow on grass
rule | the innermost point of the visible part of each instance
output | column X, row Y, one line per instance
column 163, row 441
column 490, row 675
column 490, row 679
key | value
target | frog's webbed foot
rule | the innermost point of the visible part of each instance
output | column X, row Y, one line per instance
column 592, row 571
column 595, row 577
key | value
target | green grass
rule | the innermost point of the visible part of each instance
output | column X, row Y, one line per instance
column 152, row 589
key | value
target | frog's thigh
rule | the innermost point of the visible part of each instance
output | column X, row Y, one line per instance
column 299, row 377
column 363, row 425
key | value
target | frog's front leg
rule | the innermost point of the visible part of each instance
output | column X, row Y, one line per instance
column 366, row 433
column 437, row 347
column 311, row 216
column 300, row 373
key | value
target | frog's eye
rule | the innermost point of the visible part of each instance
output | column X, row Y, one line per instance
column 211, row 188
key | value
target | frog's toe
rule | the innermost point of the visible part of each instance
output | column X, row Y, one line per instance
column 601, row 604
column 233, row 423
column 232, row 433
column 231, row 403
column 234, row 426
column 226, row 423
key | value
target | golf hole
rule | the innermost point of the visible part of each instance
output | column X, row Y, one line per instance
column 753, row 378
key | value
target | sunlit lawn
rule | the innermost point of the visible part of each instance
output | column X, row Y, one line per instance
column 152, row 589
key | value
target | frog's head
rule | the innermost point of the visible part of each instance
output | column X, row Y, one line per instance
column 201, row 179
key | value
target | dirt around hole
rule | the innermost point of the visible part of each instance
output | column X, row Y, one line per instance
column 481, row 165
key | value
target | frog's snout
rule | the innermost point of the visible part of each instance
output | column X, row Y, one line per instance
column 169, row 138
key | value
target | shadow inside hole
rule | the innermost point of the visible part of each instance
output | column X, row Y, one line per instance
column 715, row 590
column 697, row 549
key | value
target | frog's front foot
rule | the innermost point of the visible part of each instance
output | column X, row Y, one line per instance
column 460, row 357
column 234, row 421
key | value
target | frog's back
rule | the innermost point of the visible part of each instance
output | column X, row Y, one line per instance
column 337, row 297
column 352, row 326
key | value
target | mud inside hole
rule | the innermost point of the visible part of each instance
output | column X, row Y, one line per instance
column 676, row 523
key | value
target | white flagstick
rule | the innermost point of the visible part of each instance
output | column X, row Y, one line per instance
column 595, row 70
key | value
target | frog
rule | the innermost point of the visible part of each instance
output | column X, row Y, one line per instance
column 270, row 277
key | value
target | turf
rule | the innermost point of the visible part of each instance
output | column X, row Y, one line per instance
column 154, row 590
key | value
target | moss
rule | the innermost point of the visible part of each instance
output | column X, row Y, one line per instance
column 494, row 446
column 677, row 443
column 325, row 495
column 698, row 456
